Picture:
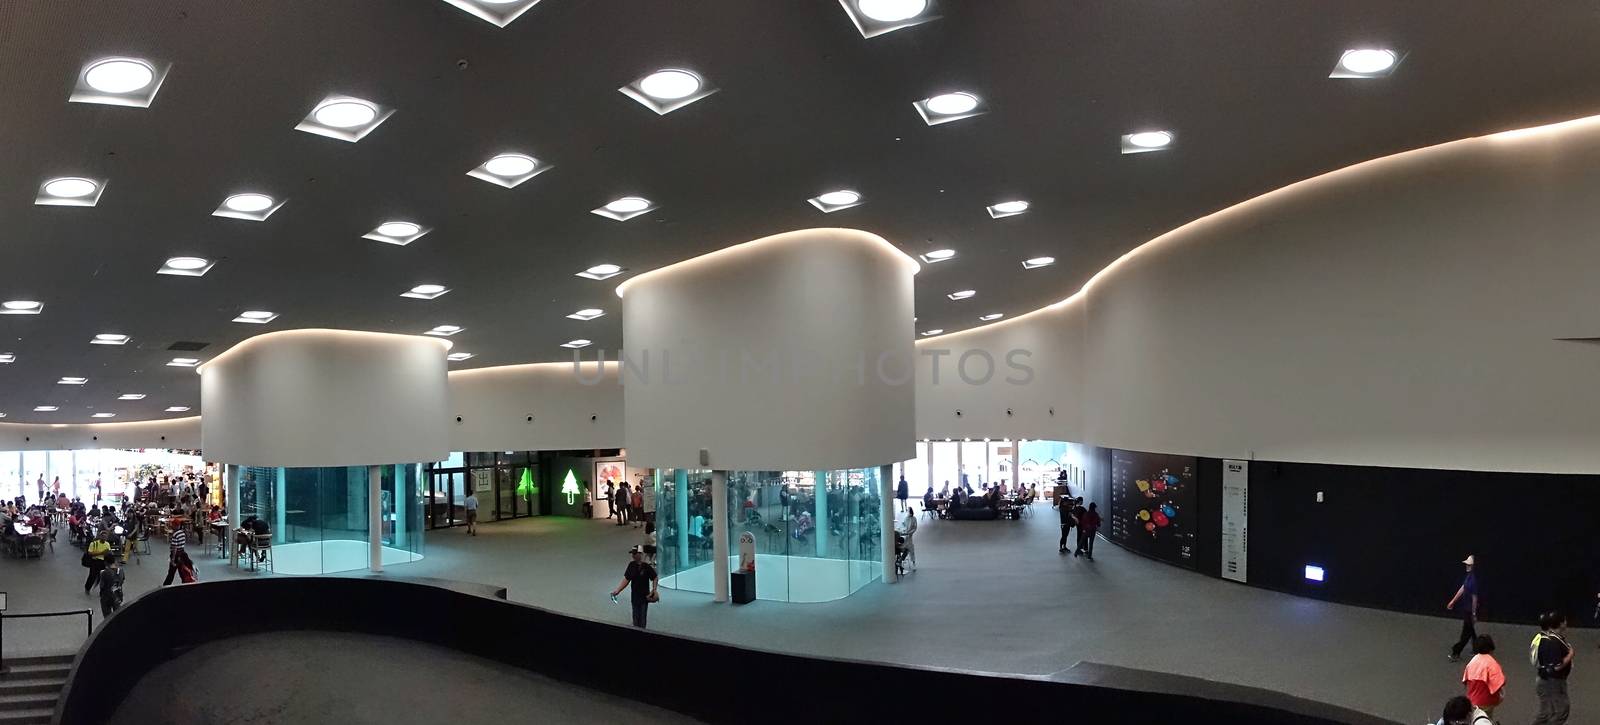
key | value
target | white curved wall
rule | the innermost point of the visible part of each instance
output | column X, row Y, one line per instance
column 818, row 307
column 570, row 410
column 1401, row 312
column 181, row 433
column 326, row 398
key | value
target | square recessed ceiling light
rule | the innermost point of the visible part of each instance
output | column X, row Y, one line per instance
column 70, row 191
column 601, row 271
column 178, row 409
column 991, row 317
column 21, row 307
column 72, row 381
column 344, row 117
column 103, row 415
column 1038, row 262
column 876, row 17
column 458, row 356
column 1008, row 208
column 575, row 344
column 45, row 409
column 131, row 396
column 7, row 358
column 668, row 89
column 947, row 107
column 256, row 317
column 931, row 333
column 397, row 232
column 109, row 338
column 249, row 206
column 186, row 266
column 625, row 208
column 1141, row 142
column 587, row 314
column 509, row 169
column 962, row 294
column 499, row 12
column 938, row 255
column 444, row 330
column 183, row 362
column 119, row 81
column 1366, row 63
column 835, row 200
column 426, row 291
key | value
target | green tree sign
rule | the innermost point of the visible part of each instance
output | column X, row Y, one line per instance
column 525, row 487
column 569, row 486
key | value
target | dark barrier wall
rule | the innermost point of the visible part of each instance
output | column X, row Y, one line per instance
column 713, row 682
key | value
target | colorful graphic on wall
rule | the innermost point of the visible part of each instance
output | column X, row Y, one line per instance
column 525, row 487
column 1153, row 504
column 569, row 486
column 613, row 471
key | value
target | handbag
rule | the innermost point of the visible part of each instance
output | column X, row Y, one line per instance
column 87, row 560
column 654, row 597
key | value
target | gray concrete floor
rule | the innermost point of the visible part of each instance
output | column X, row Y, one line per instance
column 989, row 596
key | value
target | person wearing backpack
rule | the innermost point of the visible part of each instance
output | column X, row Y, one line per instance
column 1551, row 657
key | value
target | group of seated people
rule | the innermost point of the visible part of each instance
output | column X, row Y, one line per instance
column 24, row 529
column 963, row 502
column 249, row 533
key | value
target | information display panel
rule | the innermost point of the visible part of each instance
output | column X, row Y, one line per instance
column 1153, row 505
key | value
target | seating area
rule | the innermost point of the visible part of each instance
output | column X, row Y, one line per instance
column 985, row 507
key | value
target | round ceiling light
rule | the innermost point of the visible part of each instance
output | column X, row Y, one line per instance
column 510, row 165
column 428, row 289
column 345, row 114
column 938, row 254
column 186, row 263
column 255, row 314
column 1011, row 207
column 604, row 269
column 670, row 84
column 628, row 205
column 839, row 198
column 70, row 187
column 950, row 104
column 398, row 230
column 21, row 305
column 1150, row 139
column 248, row 202
column 892, row 11
column 1367, row 60
column 119, row 75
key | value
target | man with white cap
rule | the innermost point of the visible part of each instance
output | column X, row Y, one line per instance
column 1467, row 596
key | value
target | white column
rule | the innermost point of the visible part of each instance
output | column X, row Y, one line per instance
column 1016, row 464
column 280, row 506
column 886, row 490
column 375, row 517
column 719, row 535
column 230, row 488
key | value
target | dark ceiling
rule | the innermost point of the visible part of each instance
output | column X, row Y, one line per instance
column 806, row 105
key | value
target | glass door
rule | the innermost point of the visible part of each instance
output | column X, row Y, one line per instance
column 445, row 499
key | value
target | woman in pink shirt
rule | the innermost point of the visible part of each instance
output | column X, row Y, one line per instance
column 1483, row 677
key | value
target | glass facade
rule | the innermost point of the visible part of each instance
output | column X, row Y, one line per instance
column 817, row 535
column 77, row 471
column 507, row 485
column 319, row 517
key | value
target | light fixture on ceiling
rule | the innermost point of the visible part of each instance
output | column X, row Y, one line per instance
column 131, row 396
column 876, row 17
column 256, row 317
column 938, row 255
column 575, row 344
column 103, row 415
column 72, row 381
column 69, row 191
column 1038, row 262
column 6, row 358
column 426, row 291
column 45, row 409
column 119, row 81
column 178, row 409
column 249, row 206
column 668, row 89
column 458, row 356
column 947, row 107
column 587, row 314
column 991, row 317
column 1008, row 208
column 1145, row 141
column 344, row 118
column 183, row 362
column 961, row 294
column 109, row 338
column 444, row 330
column 498, row 12
column 509, row 170
column 625, row 208
column 833, row 201
column 1365, row 63
column 186, row 266
column 931, row 333
column 398, row 233
column 21, row 307
column 601, row 271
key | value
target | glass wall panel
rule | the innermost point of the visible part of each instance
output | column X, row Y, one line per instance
column 999, row 467
column 915, row 472
column 975, row 464
column 945, row 473
column 683, row 528
column 319, row 518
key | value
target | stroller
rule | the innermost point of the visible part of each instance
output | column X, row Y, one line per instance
column 900, row 553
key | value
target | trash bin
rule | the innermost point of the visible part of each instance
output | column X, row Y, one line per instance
column 744, row 587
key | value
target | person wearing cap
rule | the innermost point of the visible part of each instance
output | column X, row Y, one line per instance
column 642, row 577
column 1467, row 597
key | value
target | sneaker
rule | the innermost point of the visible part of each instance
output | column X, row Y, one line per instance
column 1453, row 657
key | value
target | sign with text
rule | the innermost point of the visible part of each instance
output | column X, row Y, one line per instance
column 1235, row 520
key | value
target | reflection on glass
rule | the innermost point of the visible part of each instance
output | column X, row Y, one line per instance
column 318, row 518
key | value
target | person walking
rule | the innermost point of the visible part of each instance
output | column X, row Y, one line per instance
column 902, row 491
column 1484, row 679
column 95, row 558
column 111, row 586
column 646, row 589
column 624, row 503
column 1088, row 526
column 1552, row 659
column 1064, row 506
column 1467, row 596
column 177, row 555
column 636, row 505
column 908, row 529
column 471, row 506
column 611, row 500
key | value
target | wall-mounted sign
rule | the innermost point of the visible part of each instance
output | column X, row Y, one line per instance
column 569, row 486
column 525, row 486
column 483, row 479
column 1236, row 520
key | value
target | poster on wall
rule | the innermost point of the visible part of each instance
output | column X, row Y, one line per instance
column 613, row 471
column 1153, row 505
column 1235, row 520
column 483, row 479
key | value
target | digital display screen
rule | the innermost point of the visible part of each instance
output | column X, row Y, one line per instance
column 1153, row 505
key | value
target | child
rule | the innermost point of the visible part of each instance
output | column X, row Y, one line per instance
column 650, row 544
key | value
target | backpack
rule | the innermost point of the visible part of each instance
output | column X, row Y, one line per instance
column 1533, row 650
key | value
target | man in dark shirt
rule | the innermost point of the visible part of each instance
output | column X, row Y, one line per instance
column 1065, row 506
column 643, row 578
column 1554, row 657
column 1467, row 597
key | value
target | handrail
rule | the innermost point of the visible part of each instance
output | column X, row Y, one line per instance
column 88, row 626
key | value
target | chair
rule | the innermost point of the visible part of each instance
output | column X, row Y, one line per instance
column 222, row 545
column 261, row 548
column 144, row 541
